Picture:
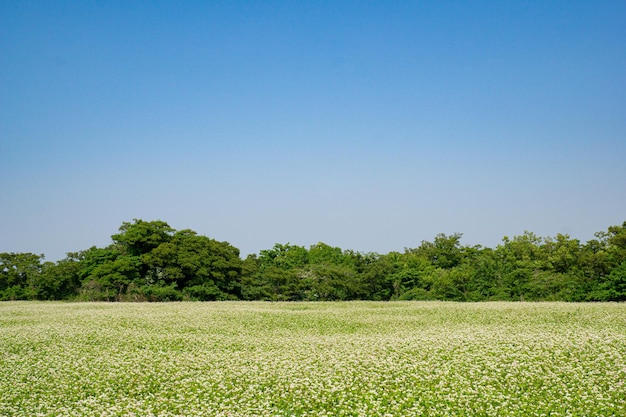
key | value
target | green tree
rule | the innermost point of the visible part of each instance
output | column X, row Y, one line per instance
column 445, row 283
column 19, row 275
column 600, row 257
column 327, row 282
column 161, row 266
column 518, row 259
column 323, row 254
column 408, row 272
column 205, row 268
column 285, row 256
column 59, row 281
column 444, row 252
column 616, row 240
column 140, row 237
column 562, row 254
column 280, row 272
column 95, row 285
column 114, row 277
column 613, row 287
column 150, row 260
column 253, row 284
column 373, row 270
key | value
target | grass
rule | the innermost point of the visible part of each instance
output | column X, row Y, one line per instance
column 312, row 359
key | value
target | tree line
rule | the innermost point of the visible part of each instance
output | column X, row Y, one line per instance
column 151, row 261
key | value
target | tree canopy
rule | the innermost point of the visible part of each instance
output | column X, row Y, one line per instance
column 151, row 261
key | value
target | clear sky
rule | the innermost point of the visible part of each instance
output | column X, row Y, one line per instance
column 366, row 125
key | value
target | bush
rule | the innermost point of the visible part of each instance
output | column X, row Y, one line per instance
column 417, row 294
column 204, row 293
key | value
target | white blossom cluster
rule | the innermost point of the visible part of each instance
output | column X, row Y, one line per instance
column 312, row 359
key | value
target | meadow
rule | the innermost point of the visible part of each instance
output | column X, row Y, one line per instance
column 312, row 359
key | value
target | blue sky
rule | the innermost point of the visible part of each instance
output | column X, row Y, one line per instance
column 366, row 125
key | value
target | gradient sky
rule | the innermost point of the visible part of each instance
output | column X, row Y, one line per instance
column 366, row 125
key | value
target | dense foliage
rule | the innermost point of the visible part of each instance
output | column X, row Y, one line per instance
column 150, row 261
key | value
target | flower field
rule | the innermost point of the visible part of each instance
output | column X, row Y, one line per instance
column 312, row 359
